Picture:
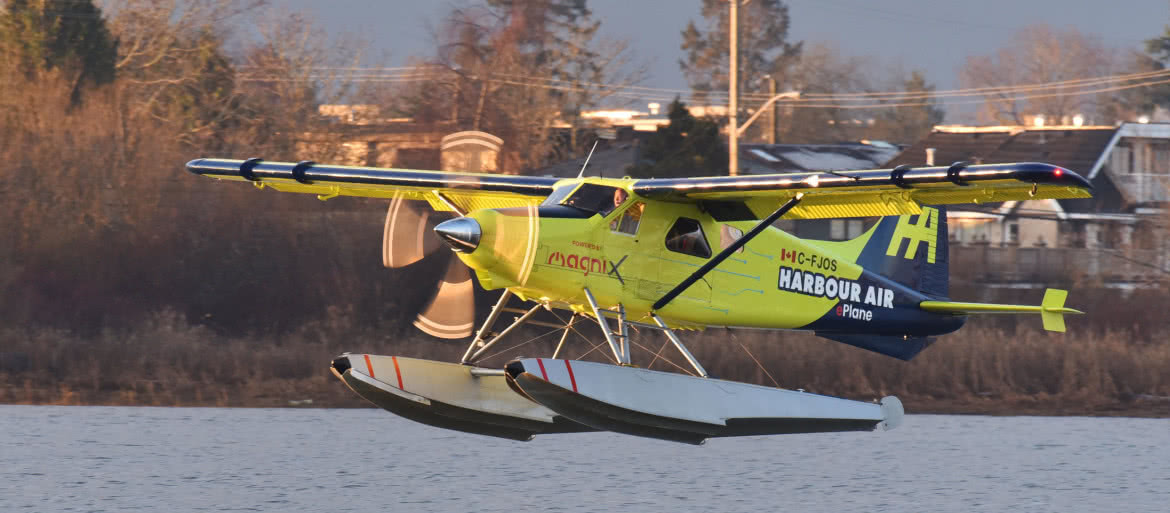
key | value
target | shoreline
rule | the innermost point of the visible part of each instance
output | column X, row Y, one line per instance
column 341, row 397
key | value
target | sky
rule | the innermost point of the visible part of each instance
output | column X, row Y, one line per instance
column 935, row 36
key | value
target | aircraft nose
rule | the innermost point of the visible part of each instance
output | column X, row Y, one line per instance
column 461, row 233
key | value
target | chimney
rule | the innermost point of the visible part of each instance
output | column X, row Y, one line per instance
column 930, row 156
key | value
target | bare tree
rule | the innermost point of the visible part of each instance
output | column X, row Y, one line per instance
column 824, row 70
column 1037, row 54
column 291, row 69
column 763, row 47
column 171, row 54
column 518, row 69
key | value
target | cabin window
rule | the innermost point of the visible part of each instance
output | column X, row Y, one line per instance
column 627, row 223
column 728, row 235
column 599, row 199
column 686, row 237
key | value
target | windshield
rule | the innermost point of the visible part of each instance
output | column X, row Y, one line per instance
column 600, row 199
column 558, row 195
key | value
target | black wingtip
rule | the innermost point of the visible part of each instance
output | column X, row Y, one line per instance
column 194, row 165
column 1039, row 172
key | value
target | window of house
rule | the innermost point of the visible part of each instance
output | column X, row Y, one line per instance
column 686, row 237
column 1121, row 160
column 728, row 235
column 853, row 228
column 837, row 229
column 627, row 223
column 1161, row 163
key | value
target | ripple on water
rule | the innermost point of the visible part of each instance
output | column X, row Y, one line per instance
column 120, row 459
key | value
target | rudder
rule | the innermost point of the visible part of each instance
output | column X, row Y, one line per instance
column 911, row 250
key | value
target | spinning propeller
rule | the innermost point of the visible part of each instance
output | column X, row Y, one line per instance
column 407, row 238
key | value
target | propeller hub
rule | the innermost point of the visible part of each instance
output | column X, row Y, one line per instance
column 461, row 233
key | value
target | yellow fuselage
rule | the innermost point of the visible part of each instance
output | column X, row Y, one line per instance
column 776, row 281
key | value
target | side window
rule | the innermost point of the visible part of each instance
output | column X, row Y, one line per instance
column 628, row 222
column 686, row 237
column 599, row 199
column 728, row 235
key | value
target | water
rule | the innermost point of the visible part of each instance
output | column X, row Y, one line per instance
column 208, row 459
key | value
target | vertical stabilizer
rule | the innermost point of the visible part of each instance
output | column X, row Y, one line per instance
column 1052, row 309
column 911, row 250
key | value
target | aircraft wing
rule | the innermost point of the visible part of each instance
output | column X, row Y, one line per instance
column 443, row 190
column 875, row 192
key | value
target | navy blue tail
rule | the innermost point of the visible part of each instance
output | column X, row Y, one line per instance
column 911, row 250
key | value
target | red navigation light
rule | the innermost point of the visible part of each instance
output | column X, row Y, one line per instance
column 1058, row 172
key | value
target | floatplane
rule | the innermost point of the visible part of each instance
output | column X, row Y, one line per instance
column 664, row 255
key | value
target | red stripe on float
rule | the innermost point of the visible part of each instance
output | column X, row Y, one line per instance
column 398, row 372
column 572, row 379
column 542, row 372
column 369, row 368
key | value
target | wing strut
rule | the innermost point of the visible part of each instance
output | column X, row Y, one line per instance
column 678, row 289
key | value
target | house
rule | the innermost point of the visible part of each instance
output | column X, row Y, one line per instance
column 1117, row 234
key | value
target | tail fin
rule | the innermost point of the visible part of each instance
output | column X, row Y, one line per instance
column 1051, row 309
column 911, row 250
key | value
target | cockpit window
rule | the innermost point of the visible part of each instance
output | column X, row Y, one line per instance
column 686, row 237
column 600, row 199
column 558, row 195
column 627, row 223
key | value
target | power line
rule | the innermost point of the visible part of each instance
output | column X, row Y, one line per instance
column 407, row 74
column 1079, row 87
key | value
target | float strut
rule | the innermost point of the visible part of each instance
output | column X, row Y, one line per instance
column 564, row 336
column 613, row 346
column 487, row 325
column 520, row 320
column 624, row 334
column 678, row 344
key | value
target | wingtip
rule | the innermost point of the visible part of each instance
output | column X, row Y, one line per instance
column 1041, row 172
column 193, row 166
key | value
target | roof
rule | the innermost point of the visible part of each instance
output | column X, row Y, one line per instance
column 1106, row 198
column 611, row 162
column 1075, row 148
column 796, row 158
column 953, row 147
column 753, row 159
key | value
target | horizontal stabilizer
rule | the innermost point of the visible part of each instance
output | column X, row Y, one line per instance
column 1051, row 309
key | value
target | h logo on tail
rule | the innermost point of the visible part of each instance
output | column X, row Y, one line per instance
column 926, row 230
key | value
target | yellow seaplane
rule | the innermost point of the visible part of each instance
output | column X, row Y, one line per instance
column 663, row 254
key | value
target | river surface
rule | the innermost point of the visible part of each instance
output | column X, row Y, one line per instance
column 211, row 459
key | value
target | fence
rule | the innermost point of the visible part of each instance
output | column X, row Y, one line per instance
column 1048, row 265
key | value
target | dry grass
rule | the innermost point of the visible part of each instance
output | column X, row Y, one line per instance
column 166, row 361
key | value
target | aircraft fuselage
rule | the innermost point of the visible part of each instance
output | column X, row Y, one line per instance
column 777, row 281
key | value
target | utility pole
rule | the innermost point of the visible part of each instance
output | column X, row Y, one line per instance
column 732, row 91
column 772, row 113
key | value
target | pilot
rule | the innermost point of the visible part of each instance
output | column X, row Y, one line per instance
column 619, row 197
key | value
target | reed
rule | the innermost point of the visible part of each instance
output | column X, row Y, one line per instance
column 982, row 368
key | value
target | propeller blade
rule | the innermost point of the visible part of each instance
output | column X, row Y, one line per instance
column 408, row 236
column 451, row 314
